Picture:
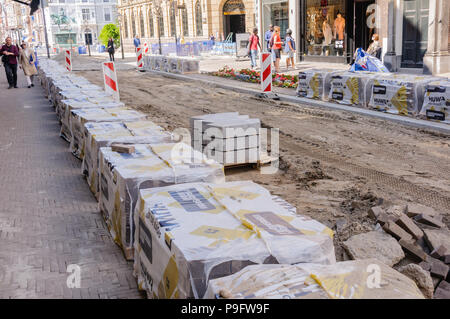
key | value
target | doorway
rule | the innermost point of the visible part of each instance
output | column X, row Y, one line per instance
column 415, row 32
column 234, row 18
column 234, row 23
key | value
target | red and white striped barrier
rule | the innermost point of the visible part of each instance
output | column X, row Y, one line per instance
column 139, row 58
column 266, row 72
column 110, row 79
column 68, row 56
column 146, row 48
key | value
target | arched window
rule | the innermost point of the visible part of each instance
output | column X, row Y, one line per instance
column 142, row 25
column 133, row 25
column 161, row 25
column 184, row 19
column 198, row 19
column 150, row 22
column 173, row 28
column 125, row 25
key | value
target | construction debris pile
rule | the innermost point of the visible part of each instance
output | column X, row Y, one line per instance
column 404, row 94
column 193, row 235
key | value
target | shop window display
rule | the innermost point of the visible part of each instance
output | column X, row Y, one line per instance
column 325, row 27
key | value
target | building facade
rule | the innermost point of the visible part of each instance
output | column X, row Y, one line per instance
column 73, row 22
column 414, row 34
column 186, row 20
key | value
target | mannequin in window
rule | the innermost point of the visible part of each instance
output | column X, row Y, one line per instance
column 338, row 33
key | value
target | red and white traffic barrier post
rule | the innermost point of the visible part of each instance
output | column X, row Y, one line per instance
column 68, row 56
column 266, row 76
column 110, row 80
column 139, row 58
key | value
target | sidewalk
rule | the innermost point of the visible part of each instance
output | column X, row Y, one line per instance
column 48, row 217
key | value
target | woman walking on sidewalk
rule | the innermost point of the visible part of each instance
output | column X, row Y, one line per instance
column 9, row 54
column 290, row 49
column 27, row 60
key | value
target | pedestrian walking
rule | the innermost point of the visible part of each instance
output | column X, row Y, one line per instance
column 276, row 47
column 267, row 37
column 9, row 53
column 111, row 49
column 136, row 42
column 289, row 48
column 253, row 44
column 27, row 61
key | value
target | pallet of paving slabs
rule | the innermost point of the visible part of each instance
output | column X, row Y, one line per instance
column 78, row 118
column 313, row 281
column 398, row 93
column 350, row 88
column 314, row 83
column 103, row 134
column 436, row 103
column 151, row 165
column 236, row 224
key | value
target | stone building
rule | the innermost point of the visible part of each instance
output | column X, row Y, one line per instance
column 188, row 20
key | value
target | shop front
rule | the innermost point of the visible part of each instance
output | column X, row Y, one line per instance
column 331, row 30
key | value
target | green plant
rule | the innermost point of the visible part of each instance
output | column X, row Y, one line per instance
column 110, row 30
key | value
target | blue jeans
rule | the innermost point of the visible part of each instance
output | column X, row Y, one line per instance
column 253, row 57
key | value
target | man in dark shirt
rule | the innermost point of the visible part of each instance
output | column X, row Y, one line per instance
column 9, row 55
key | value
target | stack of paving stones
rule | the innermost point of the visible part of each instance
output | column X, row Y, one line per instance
column 423, row 237
column 228, row 138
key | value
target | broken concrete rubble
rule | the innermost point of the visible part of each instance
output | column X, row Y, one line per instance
column 421, row 277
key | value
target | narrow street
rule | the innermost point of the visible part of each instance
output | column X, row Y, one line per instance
column 48, row 217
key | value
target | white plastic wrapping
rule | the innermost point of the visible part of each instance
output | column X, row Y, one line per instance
column 398, row 93
column 102, row 134
column 152, row 165
column 356, row 279
column 314, row 83
column 80, row 117
column 436, row 103
column 350, row 88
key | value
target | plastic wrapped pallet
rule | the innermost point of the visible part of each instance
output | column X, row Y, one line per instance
column 343, row 280
column 350, row 88
column 105, row 133
column 398, row 93
column 314, row 83
column 80, row 117
column 436, row 104
column 154, row 165
column 188, row 234
column 190, row 66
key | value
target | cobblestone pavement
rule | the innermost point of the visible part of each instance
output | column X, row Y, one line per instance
column 48, row 217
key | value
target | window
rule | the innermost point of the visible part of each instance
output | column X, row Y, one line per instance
column 142, row 24
column 85, row 14
column 107, row 14
column 173, row 27
column 184, row 19
column 150, row 22
column 198, row 19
